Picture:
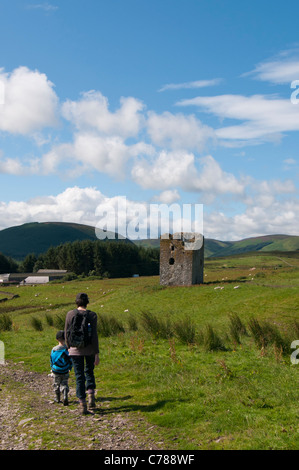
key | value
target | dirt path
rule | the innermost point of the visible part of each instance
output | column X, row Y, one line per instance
column 29, row 419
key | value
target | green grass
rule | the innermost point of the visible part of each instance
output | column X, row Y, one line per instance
column 185, row 358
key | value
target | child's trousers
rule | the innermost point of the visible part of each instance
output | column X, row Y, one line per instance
column 61, row 382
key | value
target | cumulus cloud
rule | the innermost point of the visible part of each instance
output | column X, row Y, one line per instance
column 92, row 112
column 278, row 218
column 168, row 196
column 178, row 131
column 90, row 152
column 177, row 169
column 72, row 205
column 91, row 207
column 30, row 102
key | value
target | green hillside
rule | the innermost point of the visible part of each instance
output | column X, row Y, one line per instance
column 37, row 238
column 17, row 242
column 263, row 244
column 216, row 248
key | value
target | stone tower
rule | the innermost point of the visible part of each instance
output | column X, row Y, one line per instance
column 181, row 259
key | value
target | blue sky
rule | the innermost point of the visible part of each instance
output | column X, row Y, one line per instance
column 161, row 101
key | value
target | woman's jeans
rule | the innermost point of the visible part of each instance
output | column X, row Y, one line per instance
column 84, row 373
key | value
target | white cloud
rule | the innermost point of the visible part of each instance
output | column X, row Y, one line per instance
column 178, row 131
column 191, row 85
column 42, row 6
column 264, row 117
column 167, row 170
column 177, row 169
column 92, row 112
column 278, row 218
column 72, row 205
column 89, row 152
column 282, row 69
column 30, row 102
column 168, row 196
column 290, row 161
column 14, row 166
column 88, row 205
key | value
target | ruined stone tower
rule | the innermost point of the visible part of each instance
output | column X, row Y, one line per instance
column 181, row 259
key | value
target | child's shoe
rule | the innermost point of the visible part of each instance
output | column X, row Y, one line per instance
column 65, row 398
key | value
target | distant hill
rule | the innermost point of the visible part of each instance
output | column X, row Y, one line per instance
column 266, row 243
column 35, row 237
column 262, row 244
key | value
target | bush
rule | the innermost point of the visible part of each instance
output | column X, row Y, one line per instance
column 5, row 322
column 157, row 327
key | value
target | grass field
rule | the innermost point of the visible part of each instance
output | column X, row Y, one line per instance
column 208, row 365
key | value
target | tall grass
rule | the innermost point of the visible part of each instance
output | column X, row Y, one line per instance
column 266, row 334
column 36, row 323
column 236, row 328
column 59, row 321
column 212, row 341
column 109, row 326
column 49, row 319
column 5, row 322
column 185, row 330
column 132, row 323
column 157, row 327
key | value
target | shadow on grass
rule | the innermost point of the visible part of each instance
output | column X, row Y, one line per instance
column 128, row 407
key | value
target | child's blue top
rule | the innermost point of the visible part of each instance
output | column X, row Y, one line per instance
column 60, row 360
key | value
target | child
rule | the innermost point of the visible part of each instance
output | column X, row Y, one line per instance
column 61, row 364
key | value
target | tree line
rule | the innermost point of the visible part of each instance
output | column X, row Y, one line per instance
column 7, row 264
column 98, row 258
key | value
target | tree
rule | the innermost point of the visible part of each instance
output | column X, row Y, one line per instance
column 28, row 264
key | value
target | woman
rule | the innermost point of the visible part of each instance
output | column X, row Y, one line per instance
column 84, row 356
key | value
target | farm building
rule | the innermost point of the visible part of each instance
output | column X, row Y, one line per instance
column 30, row 280
column 41, row 277
column 4, row 278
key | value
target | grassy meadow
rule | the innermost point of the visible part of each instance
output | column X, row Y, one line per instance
column 208, row 366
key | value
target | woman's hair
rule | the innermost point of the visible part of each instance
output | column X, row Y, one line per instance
column 82, row 300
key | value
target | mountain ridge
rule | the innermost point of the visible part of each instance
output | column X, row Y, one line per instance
column 37, row 237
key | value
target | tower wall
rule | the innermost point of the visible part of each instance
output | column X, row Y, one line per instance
column 180, row 266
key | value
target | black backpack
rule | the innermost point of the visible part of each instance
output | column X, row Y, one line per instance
column 78, row 334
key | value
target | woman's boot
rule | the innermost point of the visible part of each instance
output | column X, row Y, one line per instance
column 91, row 399
column 83, row 407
